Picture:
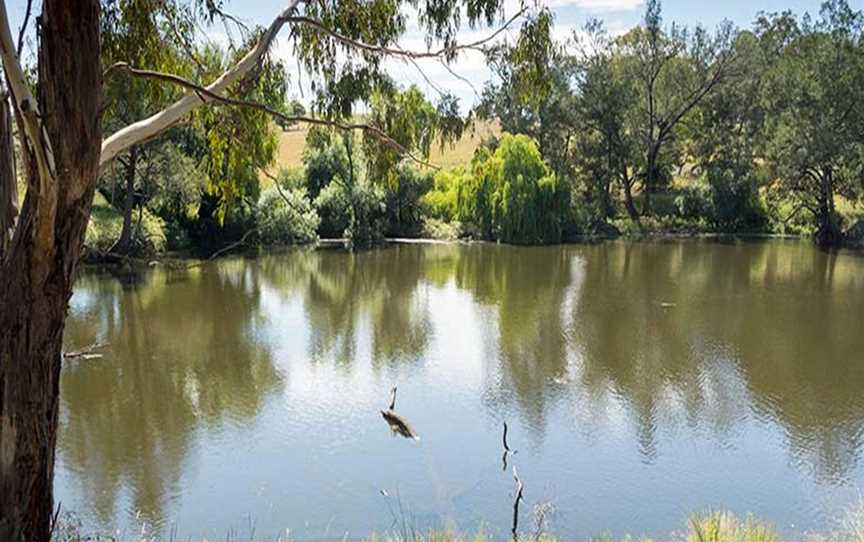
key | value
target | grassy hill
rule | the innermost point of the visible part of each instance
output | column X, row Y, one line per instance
column 292, row 143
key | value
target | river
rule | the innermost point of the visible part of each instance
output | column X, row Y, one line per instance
column 641, row 382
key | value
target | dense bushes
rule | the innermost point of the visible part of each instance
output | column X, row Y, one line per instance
column 287, row 216
column 735, row 200
column 506, row 193
column 404, row 208
column 352, row 211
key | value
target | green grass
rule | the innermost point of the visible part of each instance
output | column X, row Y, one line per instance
column 105, row 225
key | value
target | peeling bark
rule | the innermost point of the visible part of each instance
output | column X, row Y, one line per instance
column 36, row 276
column 8, row 179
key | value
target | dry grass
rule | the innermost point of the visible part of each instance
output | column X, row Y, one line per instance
column 292, row 143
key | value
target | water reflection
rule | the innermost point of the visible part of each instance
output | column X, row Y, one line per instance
column 642, row 350
column 712, row 332
column 178, row 360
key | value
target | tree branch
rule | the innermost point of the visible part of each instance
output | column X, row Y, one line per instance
column 23, row 28
column 444, row 52
column 34, row 134
column 282, row 194
column 155, row 124
column 205, row 95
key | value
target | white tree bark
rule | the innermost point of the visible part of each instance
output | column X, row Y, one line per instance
column 35, row 137
column 153, row 125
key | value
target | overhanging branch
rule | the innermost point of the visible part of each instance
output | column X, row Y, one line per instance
column 444, row 52
column 153, row 125
column 205, row 95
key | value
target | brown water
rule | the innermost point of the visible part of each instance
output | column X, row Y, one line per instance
column 641, row 382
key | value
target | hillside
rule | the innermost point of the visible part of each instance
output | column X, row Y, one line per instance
column 293, row 142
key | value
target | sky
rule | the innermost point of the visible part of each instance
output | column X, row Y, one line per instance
column 618, row 16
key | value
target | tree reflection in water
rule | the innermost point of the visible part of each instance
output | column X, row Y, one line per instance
column 675, row 338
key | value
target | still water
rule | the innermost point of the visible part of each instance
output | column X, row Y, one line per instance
column 641, row 382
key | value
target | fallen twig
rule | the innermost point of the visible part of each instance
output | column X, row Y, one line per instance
column 86, row 353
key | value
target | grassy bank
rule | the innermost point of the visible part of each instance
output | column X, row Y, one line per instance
column 710, row 527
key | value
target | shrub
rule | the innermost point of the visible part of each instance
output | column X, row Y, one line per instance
column 441, row 201
column 404, row 201
column 735, row 199
column 333, row 205
column 724, row 527
column 367, row 216
column 355, row 212
column 287, row 217
column 435, row 228
column 692, row 202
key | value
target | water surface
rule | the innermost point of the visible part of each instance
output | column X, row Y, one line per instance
column 641, row 382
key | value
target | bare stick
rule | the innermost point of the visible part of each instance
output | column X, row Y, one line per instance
column 23, row 28
column 516, row 501
column 87, row 353
column 504, row 438
column 60, row 503
column 507, row 450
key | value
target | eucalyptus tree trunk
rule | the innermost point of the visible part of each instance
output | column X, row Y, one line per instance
column 8, row 179
column 37, row 271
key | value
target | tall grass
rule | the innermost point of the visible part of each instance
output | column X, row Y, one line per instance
column 710, row 527
column 724, row 527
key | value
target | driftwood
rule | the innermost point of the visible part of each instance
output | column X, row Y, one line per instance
column 516, row 501
column 507, row 450
column 86, row 353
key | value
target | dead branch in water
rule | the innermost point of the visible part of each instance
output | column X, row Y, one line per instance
column 516, row 501
column 507, row 450
column 86, row 353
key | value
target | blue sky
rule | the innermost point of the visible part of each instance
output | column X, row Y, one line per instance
column 619, row 15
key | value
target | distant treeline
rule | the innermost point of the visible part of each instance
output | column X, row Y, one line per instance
column 661, row 129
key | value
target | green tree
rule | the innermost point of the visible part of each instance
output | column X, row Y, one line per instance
column 531, row 91
column 513, row 195
column 725, row 137
column 672, row 70
column 815, row 99
column 64, row 152
column 137, row 32
column 607, row 150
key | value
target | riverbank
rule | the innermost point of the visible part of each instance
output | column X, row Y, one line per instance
column 711, row 527
column 191, row 259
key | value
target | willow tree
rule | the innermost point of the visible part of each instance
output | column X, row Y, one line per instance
column 342, row 44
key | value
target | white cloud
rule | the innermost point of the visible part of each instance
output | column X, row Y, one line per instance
column 597, row 6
